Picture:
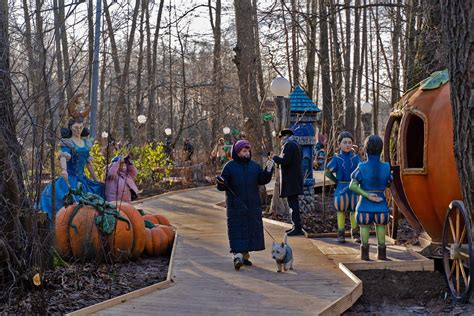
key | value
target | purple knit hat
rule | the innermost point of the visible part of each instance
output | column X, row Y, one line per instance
column 241, row 144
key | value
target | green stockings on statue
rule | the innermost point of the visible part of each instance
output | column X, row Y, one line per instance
column 341, row 220
column 380, row 229
column 353, row 220
column 364, row 234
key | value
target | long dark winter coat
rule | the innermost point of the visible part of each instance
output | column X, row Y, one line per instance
column 244, row 211
column 291, row 177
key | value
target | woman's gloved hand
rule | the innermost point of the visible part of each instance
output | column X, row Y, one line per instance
column 269, row 165
column 220, row 180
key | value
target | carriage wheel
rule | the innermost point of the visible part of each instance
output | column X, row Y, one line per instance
column 392, row 226
column 457, row 251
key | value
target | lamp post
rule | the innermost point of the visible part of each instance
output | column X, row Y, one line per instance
column 366, row 110
column 168, row 144
column 280, row 88
column 141, row 119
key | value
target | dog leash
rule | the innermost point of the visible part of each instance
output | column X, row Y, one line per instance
column 241, row 202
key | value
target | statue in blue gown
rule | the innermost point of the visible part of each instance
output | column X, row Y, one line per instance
column 77, row 157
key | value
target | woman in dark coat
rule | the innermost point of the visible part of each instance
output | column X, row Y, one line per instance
column 240, row 179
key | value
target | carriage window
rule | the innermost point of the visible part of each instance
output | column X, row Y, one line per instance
column 415, row 142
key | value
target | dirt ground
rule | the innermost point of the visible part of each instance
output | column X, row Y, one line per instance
column 394, row 292
column 71, row 288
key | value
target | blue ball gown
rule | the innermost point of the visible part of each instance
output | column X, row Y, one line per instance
column 77, row 158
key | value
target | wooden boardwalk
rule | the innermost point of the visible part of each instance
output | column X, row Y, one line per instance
column 205, row 282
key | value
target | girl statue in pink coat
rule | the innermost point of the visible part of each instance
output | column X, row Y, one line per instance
column 120, row 184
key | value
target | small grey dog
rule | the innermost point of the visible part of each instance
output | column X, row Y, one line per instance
column 283, row 255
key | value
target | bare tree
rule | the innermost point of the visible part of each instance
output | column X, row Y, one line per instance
column 336, row 63
column 458, row 25
column 216, row 68
column 246, row 68
column 152, row 57
column 311, row 21
column 325, row 68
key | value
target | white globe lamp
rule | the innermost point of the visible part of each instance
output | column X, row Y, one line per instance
column 226, row 130
column 280, row 87
column 366, row 108
column 105, row 134
column 141, row 119
column 168, row 131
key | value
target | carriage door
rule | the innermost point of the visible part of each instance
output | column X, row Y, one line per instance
column 413, row 155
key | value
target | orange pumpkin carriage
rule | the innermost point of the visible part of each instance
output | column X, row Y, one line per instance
column 426, row 187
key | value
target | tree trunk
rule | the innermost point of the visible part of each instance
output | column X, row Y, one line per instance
column 376, row 80
column 117, row 69
column 67, row 66
column 458, row 25
column 350, row 99
column 397, row 28
column 287, row 42
column 218, row 91
column 90, row 23
column 23, row 253
column 103, row 121
column 123, row 109
column 430, row 55
column 294, row 44
column 363, row 59
column 59, row 59
column 325, row 70
column 311, row 47
column 408, row 73
column 182, row 46
column 349, row 88
column 336, row 63
column 261, row 85
column 138, row 95
column 151, row 66
column 246, row 68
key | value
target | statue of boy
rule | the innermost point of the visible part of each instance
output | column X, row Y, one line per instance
column 370, row 180
column 343, row 164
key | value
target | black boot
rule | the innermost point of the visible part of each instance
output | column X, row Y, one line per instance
column 355, row 235
column 341, row 238
column 382, row 252
column 364, row 252
column 295, row 232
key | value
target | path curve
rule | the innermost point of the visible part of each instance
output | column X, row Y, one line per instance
column 205, row 282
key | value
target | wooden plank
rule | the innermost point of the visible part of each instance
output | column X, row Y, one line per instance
column 329, row 235
column 173, row 253
column 345, row 302
column 412, row 265
column 277, row 223
column 120, row 299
